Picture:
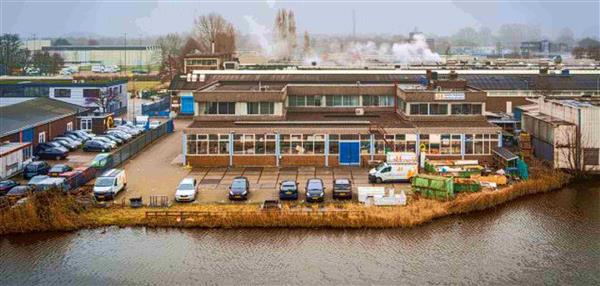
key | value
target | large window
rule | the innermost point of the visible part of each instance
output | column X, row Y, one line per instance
column 341, row 100
column 62, row 92
column 466, row 109
column 91, row 93
column 419, row 109
column 438, row 109
column 220, row 108
column 302, row 144
column 85, row 124
column 301, row 101
column 261, row 107
column 376, row 100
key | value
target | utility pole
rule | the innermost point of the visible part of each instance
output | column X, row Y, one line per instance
column 353, row 24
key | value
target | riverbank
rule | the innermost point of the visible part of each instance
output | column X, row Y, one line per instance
column 56, row 212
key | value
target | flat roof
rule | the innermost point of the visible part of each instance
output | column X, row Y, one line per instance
column 99, row 48
column 60, row 82
column 12, row 147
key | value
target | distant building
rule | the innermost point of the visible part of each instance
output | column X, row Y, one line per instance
column 542, row 48
column 81, row 93
column 36, row 45
column 205, row 61
column 565, row 132
column 107, row 55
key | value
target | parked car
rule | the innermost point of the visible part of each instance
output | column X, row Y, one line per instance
column 19, row 192
column 35, row 168
column 130, row 131
column 51, row 151
column 6, row 185
column 288, row 190
column 76, row 142
column 106, row 140
column 239, row 189
column 58, row 169
column 342, row 189
column 82, row 135
column 37, row 179
column 113, row 138
column 96, row 146
column 187, row 190
column 154, row 124
column 66, row 144
column 315, row 190
column 133, row 126
column 121, row 134
column 75, row 136
column 109, row 184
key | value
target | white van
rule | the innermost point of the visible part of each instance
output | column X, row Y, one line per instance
column 109, row 184
column 398, row 166
column 98, row 68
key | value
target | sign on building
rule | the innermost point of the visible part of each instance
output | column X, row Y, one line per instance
column 449, row 96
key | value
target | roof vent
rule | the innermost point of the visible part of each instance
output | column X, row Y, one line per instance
column 359, row 111
column 189, row 77
column 202, row 77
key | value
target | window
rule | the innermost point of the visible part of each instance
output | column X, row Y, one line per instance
column 418, row 109
column 466, row 109
column 376, row 100
column 260, row 107
column 42, row 137
column 85, row 124
column 591, row 156
column 62, row 92
column 91, row 93
column 341, row 100
column 220, row 108
column 438, row 109
column 26, row 153
column 70, row 126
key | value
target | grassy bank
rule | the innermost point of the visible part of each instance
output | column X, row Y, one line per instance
column 59, row 212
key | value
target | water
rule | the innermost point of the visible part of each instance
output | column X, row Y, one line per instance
column 544, row 239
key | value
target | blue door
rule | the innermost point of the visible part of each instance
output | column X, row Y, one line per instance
column 350, row 153
column 187, row 105
column 27, row 135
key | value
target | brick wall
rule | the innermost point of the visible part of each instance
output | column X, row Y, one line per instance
column 243, row 161
column 208, row 161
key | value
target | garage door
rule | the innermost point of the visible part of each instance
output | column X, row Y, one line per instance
column 187, row 105
column 350, row 153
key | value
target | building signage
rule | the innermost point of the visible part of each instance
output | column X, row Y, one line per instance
column 449, row 96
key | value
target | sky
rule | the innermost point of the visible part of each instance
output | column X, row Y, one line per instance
column 113, row 18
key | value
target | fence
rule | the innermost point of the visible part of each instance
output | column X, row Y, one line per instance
column 157, row 108
column 131, row 148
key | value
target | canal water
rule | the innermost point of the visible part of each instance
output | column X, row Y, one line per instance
column 551, row 238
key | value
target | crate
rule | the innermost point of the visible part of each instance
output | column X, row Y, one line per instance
column 436, row 187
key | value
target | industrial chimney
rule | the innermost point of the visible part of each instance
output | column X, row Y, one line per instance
column 212, row 47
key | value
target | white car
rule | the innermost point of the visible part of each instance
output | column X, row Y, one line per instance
column 187, row 190
column 154, row 124
column 111, row 143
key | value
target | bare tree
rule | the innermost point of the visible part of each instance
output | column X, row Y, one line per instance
column 213, row 28
column 170, row 52
column 307, row 46
column 103, row 99
column 285, row 36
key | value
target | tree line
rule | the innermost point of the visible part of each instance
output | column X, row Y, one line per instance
column 17, row 60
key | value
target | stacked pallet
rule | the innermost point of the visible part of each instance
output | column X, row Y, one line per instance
column 525, row 146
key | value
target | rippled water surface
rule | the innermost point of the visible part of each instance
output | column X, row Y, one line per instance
column 544, row 239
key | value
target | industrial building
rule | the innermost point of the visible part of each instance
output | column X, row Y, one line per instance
column 121, row 55
column 565, row 133
column 333, row 119
column 82, row 93
column 38, row 120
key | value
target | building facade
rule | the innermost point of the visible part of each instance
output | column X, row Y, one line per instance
column 120, row 55
column 565, row 133
column 38, row 120
column 332, row 123
column 82, row 93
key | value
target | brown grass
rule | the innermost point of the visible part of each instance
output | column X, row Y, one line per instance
column 65, row 215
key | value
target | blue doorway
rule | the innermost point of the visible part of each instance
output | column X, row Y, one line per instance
column 350, row 153
column 187, row 105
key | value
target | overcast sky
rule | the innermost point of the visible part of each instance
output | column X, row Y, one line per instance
column 150, row 17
